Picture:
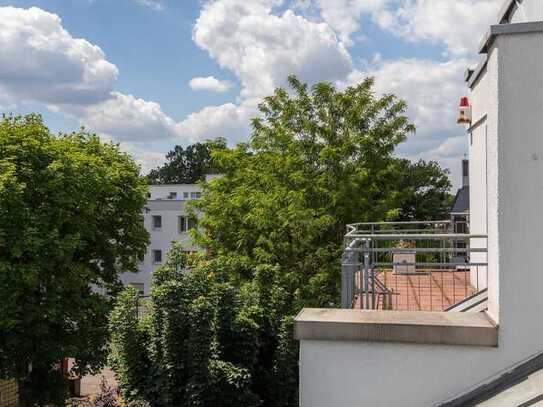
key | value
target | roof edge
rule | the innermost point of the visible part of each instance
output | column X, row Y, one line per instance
column 499, row 383
column 505, row 11
column 501, row 29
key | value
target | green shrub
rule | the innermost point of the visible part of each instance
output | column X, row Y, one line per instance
column 205, row 342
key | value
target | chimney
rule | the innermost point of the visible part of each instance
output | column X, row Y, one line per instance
column 465, row 172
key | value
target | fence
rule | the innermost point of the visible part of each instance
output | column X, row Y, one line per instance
column 415, row 266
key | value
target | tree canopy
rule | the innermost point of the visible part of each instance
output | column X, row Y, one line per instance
column 206, row 341
column 70, row 223
column 187, row 165
column 422, row 191
column 318, row 159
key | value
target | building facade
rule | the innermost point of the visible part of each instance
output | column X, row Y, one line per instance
column 167, row 220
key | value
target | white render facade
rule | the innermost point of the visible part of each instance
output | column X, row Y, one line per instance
column 506, row 197
column 167, row 220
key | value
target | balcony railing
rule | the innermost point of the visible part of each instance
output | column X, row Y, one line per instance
column 411, row 266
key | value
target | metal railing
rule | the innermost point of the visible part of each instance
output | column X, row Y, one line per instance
column 422, row 266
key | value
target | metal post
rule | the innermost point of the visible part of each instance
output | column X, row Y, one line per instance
column 360, row 280
column 348, row 272
column 367, row 272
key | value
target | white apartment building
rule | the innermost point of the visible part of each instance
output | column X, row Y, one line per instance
column 167, row 220
column 423, row 357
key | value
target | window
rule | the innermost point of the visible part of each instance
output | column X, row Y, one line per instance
column 173, row 195
column 140, row 288
column 157, row 221
column 185, row 195
column 195, row 195
column 157, row 256
column 182, row 224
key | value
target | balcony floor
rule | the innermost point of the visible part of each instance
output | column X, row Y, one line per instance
column 421, row 291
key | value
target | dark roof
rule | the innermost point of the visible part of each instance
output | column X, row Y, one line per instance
column 511, row 381
column 461, row 201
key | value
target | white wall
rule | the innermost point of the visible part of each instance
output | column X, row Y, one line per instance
column 479, row 99
column 520, row 186
column 183, row 191
column 530, row 10
column 161, row 239
column 354, row 374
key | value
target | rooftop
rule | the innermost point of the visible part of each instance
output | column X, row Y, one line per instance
column 461, row 201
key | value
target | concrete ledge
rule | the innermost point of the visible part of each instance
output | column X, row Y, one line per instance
column 501, row 29
column 439, row 328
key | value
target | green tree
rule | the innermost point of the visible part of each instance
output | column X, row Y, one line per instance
column 70, row 223
column 422, row 190
column 198, row 346
column 273, row 226
column 317, row 159
column 187, row 165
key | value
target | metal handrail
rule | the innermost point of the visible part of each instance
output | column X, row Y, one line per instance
column 422, row 250
column 418, row 236
column 363, row 265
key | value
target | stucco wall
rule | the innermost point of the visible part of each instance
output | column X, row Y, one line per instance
column 160, row 239
column 479, row 99
column 530, row 10
column 355, row 374
column 520, row 187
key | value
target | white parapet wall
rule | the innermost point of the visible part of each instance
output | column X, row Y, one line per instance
column 507, row 93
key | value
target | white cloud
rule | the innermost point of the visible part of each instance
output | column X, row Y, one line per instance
column 431, row 89
column 149, row 157
column 344, row 15
column 210, row 83
column 262, row 48
column 40, row 61
column 458, row 24
column 125, row 117
column 229, row 121
column 452, row 147
column 448, row 154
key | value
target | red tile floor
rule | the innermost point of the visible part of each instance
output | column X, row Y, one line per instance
column 421, row 291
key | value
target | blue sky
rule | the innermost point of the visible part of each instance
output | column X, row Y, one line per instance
column 154, row 73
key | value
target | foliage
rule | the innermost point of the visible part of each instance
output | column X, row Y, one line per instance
column 128, row 338
column 317, row 160
column 422, row 191
column 206, row 342
column 273, row 226
column 187, row 165
column 70, row 219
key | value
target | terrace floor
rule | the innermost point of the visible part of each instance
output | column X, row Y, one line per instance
column 420, row 291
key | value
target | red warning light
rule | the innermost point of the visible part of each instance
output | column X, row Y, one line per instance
column 464, row 112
